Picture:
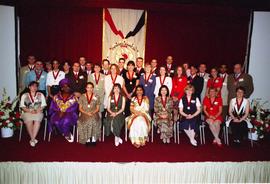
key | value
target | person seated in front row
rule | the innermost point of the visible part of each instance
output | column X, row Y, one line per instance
column 139, row 122
column 64, row 111
column 32, row 103
column 212, row 107
column 89, row 122
column 238, row 111
column 189, row 108
column 115, row 119
column 163, row 114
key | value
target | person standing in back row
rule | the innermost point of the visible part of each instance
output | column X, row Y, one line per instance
column 239, row 79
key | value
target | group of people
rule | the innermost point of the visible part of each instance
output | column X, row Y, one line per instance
column 136, row 93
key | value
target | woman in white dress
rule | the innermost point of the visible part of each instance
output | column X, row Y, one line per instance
column 110, row 80
column 162, row 80
column 139, row 122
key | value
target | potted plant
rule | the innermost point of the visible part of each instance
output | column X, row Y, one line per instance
column 260, row 119
column 10, row 119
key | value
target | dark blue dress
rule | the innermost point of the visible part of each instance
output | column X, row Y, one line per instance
column 149, row 88
column 189, row 108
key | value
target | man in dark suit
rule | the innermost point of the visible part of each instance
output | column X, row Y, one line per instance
column 105, row 67
column 77, row 79
column 121, row 65
column 170, row 68
column 237, row 79
column 139, row 66
column 154, row 64
column 82, row 62
column 196, row 81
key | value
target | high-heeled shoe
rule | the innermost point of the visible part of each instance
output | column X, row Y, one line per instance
column 193, row 142
column 70, row 139
column 116, row 141
column 32, row 143
column 120, row 140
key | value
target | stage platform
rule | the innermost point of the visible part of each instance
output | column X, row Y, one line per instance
column 61, row 162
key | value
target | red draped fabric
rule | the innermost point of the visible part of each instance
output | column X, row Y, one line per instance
column 61, row 33
column 191, row 33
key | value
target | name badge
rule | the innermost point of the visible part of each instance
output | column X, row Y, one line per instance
column 112, row 101
column 215, row 103
column 192, row 101
column 216, row 81
column 42, row 76
column 150, row 80
column 205, row 80
column 180, row 80
column 224, row 84
column 241, row 80
column 81, row 77
column 171, row 71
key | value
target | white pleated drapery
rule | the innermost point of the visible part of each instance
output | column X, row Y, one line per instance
column 140, row 172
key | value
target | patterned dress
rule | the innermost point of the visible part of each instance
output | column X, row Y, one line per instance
column 69, row 110
column 99, row 87
column 165, row 125
column 89, row 126
column 115, row 124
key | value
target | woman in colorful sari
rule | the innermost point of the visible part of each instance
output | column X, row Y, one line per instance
column 89, row 122
column 64, row 111
column 163, row 114
column 139, row 122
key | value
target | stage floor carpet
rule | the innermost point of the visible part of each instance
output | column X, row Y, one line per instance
column 60, row 150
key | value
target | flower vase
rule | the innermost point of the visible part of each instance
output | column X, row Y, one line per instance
column 253, row 136
column 6, row 132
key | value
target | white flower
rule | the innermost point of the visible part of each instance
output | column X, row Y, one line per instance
column 266, row 125
column 1, row 123
column 7, row 121
column 10, row 125
column 261, row 128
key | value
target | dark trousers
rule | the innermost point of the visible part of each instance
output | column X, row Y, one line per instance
column 103, row 116
column 239, row 130
column 127, row 107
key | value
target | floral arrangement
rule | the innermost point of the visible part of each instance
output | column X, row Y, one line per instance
column 260, row 117
column 9, row 117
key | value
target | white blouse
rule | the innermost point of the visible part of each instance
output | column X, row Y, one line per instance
column 167, row 82
column 38, row 101
column 108, row 85
column 242, row 108
column 50, row 78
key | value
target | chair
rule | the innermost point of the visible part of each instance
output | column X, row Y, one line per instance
column 45, row 127
column 73, row 131
column 227, row 136
column 201, row 130
column 152, row 131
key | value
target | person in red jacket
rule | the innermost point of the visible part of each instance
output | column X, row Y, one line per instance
column 214, row 82
column 212, row 107
column 178, row 89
